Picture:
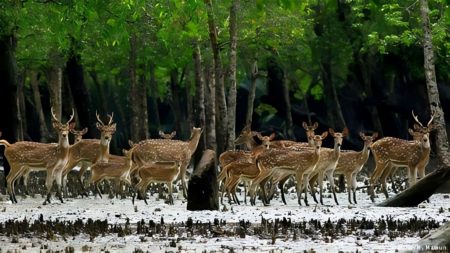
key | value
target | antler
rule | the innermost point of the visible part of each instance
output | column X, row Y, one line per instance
column 110, row 118
column 416, row 119
column 53, row 115
column 98, row 119
column 432, row 117
column 71, row 116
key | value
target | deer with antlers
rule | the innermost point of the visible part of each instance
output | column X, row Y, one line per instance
column 26, row 173
column 280, row 162
column 155, row 150
column 390, row 152
column 351, row 162
column 327, row 164
column 280, row 177
column 25, row 155
column 89, row 151
column 244, row 168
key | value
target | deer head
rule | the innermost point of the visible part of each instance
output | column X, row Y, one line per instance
column 317, row 139
column 61, row 128
column 418, row 127
column 167, row 136
column 79, row 134
column 368, row 140
column 246, row 137
column 107, row 130
column 338, row 137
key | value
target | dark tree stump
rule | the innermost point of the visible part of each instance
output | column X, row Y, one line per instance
column 203, row 186
column 421, row 191
column 439, row 240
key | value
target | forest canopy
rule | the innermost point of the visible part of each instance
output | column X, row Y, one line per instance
column 172, row 65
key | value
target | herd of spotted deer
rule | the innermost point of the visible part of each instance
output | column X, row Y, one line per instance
column 166, row 160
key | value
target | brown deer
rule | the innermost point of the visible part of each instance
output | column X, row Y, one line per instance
column 89, row 151
column 247, row 138
column 78, row 134
column 351, row 162
column 26, row 172
column 300, row 162
column 167, row 136
column 118, row 169
column 158, row 172
column 155, row 150
column 390, row 152
column 327, row 164
column 245, row 167
column 279, row 175
column 25, row 155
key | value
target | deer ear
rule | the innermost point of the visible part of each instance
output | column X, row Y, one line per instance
column 324, row 135
column 345, row 132
column 316, row 125
column 374, row 135
column 113, row 126
column 361, row 134
column 173, row 134
column 272, row 136
column 411, row 132
column 305, row 126
column 98, row 125
column 72, row 125
column 84, row 131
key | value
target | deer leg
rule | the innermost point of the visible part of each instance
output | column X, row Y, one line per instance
column 10, row 179
column 25, row 176
column 48, row 185
column 331, row 181
column 320, row 179
column 58, row 178
column 281, row 187
column 97, row 189
column 311, row 183
column 169, row 186
column 182, row 175
column 353, row 184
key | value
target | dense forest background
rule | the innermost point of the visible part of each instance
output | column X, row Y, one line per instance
column 172, row 65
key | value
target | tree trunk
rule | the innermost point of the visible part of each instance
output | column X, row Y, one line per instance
column 334, row 110
column 80, row 94
column 421, row 191
column 142, row 91
column 203, row 186
column 55, row 88
column 441, row 139
column 154, row 111
column 251, row 94
column 232, row 76
column 210, row 110
column 199, row 101
column 289, row 130
column 133, row 98
column 45, row 135
column 177, row 108
column 100, row 91
column 221, row 111
column 8, row 104
column 21, row 115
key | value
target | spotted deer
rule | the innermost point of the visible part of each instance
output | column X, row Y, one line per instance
column 299, row 162
column 279, row 175
column 351, row 162
column 327, row 164
column 118, row 169
column 51, row 157
column 155, row 150
column 89, row 151
column 390, row 152
column 244, row 168
column 158, row 172
column 167, row 136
